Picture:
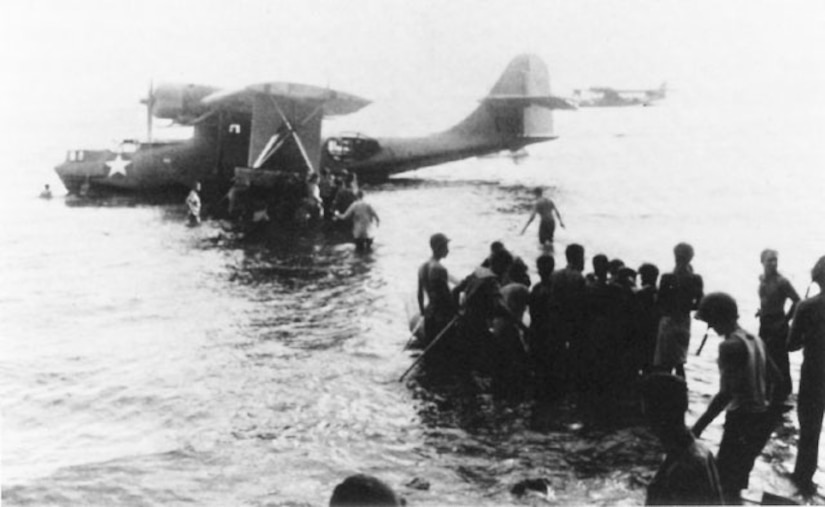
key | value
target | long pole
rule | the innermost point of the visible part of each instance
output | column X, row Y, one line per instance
column 430, row 346
column 414, row 331
column 704, row 340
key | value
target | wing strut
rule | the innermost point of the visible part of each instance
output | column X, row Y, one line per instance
column 279, row 138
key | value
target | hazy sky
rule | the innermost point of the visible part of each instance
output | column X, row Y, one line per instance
column 68, row 58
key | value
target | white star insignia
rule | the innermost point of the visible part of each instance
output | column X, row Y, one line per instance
column 118, row 165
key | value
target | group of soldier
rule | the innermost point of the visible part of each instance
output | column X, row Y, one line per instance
column 602, row 335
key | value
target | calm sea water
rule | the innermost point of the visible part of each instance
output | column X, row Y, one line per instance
column 147, row 363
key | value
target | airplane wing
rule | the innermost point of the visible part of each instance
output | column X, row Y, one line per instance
column 286, row 120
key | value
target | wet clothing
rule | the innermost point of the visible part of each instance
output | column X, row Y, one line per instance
column 547, row 224
column 774, row 291
column 547, row 229
column 679, row 293
column 687, row 478
column 808, row 333
column 748, row 423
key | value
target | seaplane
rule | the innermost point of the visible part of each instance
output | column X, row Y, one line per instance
column 265, row 139
column 602, row 96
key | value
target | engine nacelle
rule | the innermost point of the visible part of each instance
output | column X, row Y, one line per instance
column 179, row 102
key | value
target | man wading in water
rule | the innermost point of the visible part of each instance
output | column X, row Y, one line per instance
column 433, row 283
column 774, row 291
column 545, row 209
column 743, row 394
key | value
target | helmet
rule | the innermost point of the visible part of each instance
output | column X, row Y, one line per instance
column 438, row 240
column 818, row 271
column 717, row 307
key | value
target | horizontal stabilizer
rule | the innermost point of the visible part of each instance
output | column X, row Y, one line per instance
column 548, row 101
column 334, row 102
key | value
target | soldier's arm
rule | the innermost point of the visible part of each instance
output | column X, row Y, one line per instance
column 791, row 294
column 529, row 220
column 796, row 336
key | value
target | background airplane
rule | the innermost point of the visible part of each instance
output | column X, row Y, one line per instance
column 267, row 137
column 600, row 96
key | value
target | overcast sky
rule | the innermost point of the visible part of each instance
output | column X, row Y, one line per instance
column 64, row 58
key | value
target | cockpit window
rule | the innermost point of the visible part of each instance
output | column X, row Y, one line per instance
column 129, row 146
column 351, row 147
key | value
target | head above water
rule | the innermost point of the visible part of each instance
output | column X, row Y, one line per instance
column 365, row 490
column 538, row 191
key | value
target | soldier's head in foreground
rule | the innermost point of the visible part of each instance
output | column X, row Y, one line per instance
column 720, row 312
column 365, row 490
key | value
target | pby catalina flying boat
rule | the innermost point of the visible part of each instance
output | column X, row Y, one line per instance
column 267, row 137
column 600, row 96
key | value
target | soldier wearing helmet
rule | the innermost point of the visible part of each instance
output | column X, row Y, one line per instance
column 742, row 393
column 808, row 333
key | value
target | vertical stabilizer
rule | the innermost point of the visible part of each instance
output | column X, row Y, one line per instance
column 518, row 109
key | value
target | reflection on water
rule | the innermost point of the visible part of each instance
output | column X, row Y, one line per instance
column 145, row 362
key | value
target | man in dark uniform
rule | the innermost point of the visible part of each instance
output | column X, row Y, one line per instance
column 808, row 333
column 434, row 290
column 774, row 291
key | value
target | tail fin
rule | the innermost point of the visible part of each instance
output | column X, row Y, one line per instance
column 518, row 109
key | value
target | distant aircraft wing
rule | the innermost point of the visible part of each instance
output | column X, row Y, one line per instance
column 286, row 120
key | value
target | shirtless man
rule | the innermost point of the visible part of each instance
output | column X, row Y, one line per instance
column 545, row 209
column 743, row 371
column 774, row 291
column 434, row 298
column 808, row 334
column 362, row 218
